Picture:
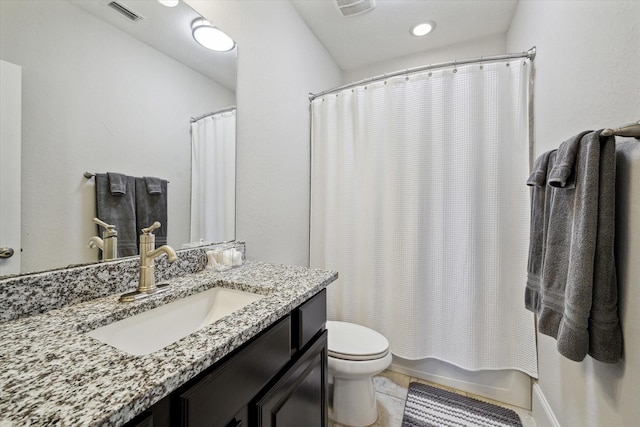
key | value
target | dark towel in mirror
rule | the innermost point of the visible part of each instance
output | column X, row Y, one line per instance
column 154, row 185
column 118, row 209
column 151, row 205
column 117, row 184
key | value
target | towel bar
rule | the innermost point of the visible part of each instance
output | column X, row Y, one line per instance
column 90, row 175
column 632, row 129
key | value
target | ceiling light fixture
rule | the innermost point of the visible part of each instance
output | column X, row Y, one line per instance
column 423, row 29
column 211, row 37
column 169, row 3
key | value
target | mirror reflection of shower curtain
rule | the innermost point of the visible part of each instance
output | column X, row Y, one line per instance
column 418, row 201
column 213, row 172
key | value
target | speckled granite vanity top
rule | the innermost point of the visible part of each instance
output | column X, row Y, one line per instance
column 53, row 374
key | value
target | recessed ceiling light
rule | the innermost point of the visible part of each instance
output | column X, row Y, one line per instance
column 423, row 29
column 211, row 37
column 169, row 3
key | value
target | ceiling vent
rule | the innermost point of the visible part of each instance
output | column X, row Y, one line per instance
column 124, row 11
column 349, row 8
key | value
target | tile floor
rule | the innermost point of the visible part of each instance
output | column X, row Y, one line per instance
column 391, row 393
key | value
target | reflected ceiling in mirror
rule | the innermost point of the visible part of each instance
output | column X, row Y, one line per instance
column 102, row 93
column 167, row 29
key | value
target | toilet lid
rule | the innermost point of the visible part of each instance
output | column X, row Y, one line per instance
column 355, row 342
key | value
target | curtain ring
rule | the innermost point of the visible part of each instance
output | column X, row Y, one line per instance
column 455, row 66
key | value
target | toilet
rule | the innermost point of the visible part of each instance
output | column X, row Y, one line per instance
column 356, row 354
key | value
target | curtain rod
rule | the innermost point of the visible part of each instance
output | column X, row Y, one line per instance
column 224, row 110
column 530, row 54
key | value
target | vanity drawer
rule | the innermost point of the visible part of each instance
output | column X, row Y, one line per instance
column 309, row 319
column 218, row 396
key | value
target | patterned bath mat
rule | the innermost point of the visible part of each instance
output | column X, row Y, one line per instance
column 428, row 406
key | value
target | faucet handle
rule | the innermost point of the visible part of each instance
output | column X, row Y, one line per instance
column 152, row 227
column 104, row 224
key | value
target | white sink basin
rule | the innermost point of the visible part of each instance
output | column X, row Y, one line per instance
column 150, row 331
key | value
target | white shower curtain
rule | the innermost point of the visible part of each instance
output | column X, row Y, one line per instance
column 418, row 201
column 213, row 172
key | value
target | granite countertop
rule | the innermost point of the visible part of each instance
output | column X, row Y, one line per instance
column 54, row 374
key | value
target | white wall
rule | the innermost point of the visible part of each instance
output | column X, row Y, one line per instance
column 280, row 61
column 97, row 100
column 492, row 45
column 586, row 77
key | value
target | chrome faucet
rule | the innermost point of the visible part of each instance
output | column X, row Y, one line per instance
column 147, row 283
column 109, row 242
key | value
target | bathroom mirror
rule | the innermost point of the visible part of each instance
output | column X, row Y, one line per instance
column 106, row 87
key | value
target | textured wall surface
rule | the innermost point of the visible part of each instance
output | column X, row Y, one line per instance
column 492, row 45
column 280, row 61
column 586, row 77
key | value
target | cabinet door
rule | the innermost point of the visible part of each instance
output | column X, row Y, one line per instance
column 215, row 398
column 299, row 398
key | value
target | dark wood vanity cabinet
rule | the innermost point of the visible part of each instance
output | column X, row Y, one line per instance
column 299, row 398
column 278, row 379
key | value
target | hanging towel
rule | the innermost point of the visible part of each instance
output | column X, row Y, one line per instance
column 576, row 295
column 118, row 208
column 562, row 172
column 117, row 184
column 151, row 205
column 538, row 229
column 154, row 185
column 605, row 334
column 538, row 176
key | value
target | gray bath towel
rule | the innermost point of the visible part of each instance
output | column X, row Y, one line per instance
column 154, row 185
column 539, row 173
column 117, row 183
column 538, row 229
column 562, row 173
column 151, row 205
column 118, row 209
column 605, row 335
column 576, row 299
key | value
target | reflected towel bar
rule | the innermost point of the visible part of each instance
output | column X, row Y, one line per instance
column 90, row 175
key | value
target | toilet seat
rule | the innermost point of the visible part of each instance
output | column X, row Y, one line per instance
column 349, row 341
